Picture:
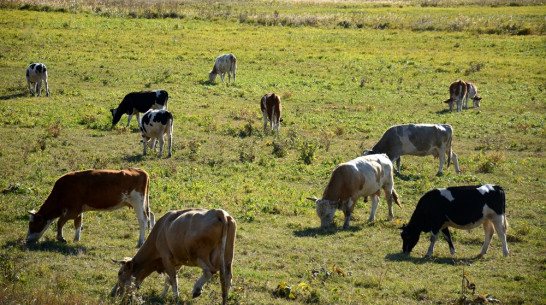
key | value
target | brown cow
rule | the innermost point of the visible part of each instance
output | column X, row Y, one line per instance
column 193, row 237
column 93, row 190
column 457, row 93
column 271, row 109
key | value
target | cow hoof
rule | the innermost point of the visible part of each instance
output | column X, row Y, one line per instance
column 62, row 240
column 197, row 293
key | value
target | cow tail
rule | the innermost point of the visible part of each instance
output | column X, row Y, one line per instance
column 395, row 197
column 228, row 243
column 449, row 150
column 149, row 215
column 504, row 220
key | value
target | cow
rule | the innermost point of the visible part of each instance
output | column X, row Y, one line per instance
column 36, row 73
column 155, row 124
column 472, row 93
column 139, row 102
column 271, row 107
column 93, row 190
column 226, row 63
column 192, row 237
column 457, row 94
column 461, row 207
column 417, row 140
column 361, row 177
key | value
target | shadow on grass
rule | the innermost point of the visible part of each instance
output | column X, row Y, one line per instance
column 312, row 232
column 401, row 257
column 408, row 177
column 47, row 246
column 135, row 158
column 12, row 96
column 445, row 111
column 207, row 83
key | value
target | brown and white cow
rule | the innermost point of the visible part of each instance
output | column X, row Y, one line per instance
column 417, row 140
column 457, row 93
column 226, row 63
column 271, row 107
column 192, row 237
column 472, row 93
column 93, row 190
column 361, row 177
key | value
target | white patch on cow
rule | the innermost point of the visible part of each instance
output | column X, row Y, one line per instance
column 485, row 189
column 447, row 194
column 441, row 127
column 407, row 146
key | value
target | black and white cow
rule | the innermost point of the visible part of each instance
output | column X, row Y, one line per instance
column 36, row 73
column 461, row 207
column 417, row 140
column 155, row 124
column 139, row 102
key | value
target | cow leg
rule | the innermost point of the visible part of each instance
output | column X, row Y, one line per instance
column 142, row 221
column 161, row 142
column 29, row 89
column 39, row 87
column 442, row 158
column 129, row 119
column 78, row 227
column 222, row 75
column 488, row 229
column 447, row 236
column 198, row 287
column 500, row 227
column 233, row 75
column 459, row 104
column 144, row 144
column 138, row 118
column 170, row 142
column 375, row 203
column 167, row 285
column 171, row 276
column 46, row 87
column 388, row 196
column 396, row 160
column 455, row 162
column 433, row 238
column 60, row 224
column 465, row 105
column 348, row 212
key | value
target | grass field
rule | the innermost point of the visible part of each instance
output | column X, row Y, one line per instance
column 345, row 73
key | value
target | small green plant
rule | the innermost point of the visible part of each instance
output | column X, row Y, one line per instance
column 307, row 151
column 247, row 152
column 195, row 148
column 279, row 148
column 54, row 129
column 492, row 160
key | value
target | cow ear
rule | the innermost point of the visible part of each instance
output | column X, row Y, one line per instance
column 33, row 212
column 312, row 199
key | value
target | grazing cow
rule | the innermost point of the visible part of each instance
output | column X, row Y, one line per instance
column 271, row 109
column 139, row 102
column 461, row 207
column 155, row 124
column 222, row 64
column 36, row 73
column 417, row 140
column 361, row 177
column 472, row 93
column 457, row 93
column 193, row 237
column 93, row 190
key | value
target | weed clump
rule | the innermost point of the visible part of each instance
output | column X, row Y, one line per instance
column 279, row 148
column 307, row 151
column 247, row 152
column 492, row 160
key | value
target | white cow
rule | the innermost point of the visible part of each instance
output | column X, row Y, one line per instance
column 472, row 93
column 36, row 73
column 361, row 177
column 223, row 64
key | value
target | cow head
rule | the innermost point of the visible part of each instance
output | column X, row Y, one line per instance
column 326, row 210
column 37, row 226
column 212, row 75
column 477, row 100
column 125, row 276
column 450, row 102
column 409, row 238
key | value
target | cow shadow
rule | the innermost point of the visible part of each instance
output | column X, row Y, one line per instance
column 407, row 177
column 47, row 245
column 133, row 159
column 445, row 111
column 401, row 257
column 12, row 96
column 207, row 83
column 318, row 231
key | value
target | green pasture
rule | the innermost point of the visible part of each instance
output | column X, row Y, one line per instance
column 342, row 85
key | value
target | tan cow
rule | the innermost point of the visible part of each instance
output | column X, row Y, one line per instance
column 193, row 237
column 271, row 107
column 93, row 190
column 457, row 94
column 361, row 177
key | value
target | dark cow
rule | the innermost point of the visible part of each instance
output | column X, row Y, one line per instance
column 461, row 207
column 417, row 140
column 139, row 102
column 193, row 237
column 271, row 107
column 36, row 73
column 93, row 190
column 155, row 125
